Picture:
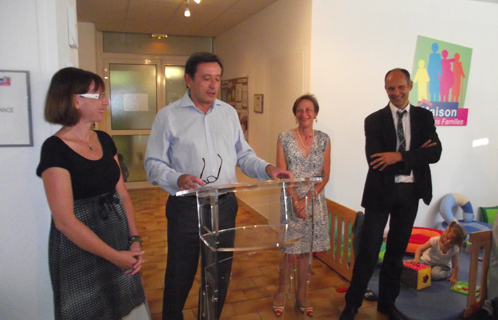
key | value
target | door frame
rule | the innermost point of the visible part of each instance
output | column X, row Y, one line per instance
column 161, row 61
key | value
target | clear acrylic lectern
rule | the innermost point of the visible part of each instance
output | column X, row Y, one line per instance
column 281, row 228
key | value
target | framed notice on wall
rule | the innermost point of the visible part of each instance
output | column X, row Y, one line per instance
column 15, row 109
column 258, row 103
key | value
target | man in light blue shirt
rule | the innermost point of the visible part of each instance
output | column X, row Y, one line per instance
column 197, row 141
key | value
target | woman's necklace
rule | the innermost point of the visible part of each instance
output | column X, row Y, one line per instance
column 82, row 140
column 300, row 139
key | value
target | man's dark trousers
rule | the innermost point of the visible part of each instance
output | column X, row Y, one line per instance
column 183, row 251
column 403, row 212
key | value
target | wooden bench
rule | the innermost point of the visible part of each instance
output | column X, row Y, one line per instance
column 480, row 240
column 340, row 257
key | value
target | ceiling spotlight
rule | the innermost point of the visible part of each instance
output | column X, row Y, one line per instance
column 187, row 11
column 159, row 36
column 197, row 1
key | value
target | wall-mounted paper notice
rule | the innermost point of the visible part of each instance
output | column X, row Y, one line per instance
column 135, row 102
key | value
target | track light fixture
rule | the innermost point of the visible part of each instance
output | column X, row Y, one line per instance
column 159, row 36
column 187, row 11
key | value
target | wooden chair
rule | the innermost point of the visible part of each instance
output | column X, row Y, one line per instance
column 480, row 240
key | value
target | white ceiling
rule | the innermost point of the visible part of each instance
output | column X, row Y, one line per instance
column 491, row 1
column 208, row 18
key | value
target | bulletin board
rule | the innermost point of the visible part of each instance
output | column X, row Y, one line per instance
column 235, row 92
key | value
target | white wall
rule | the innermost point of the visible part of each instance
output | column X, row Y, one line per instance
column 87, row 49
column 33, row 38
column 354, row 43
column 272, row 49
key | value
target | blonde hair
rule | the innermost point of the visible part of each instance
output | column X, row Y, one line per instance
column 458, row 230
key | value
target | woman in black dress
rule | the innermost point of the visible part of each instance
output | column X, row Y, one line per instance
column 95, row 250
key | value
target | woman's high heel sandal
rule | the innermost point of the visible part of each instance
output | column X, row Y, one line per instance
column 278, row 310
column 306, row 311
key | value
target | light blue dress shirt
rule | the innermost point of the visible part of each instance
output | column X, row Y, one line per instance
column 182, row 136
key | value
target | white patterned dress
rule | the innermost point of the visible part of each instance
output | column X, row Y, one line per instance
column 306, row 167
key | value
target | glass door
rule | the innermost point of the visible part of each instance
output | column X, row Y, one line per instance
column 138, row 87
column 174, row 83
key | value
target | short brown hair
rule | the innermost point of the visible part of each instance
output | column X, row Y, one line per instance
column 197, row 58
column 59, row 108
column 404, row 71
column 309, row 97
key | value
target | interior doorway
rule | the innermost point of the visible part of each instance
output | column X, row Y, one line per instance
column 138, row 86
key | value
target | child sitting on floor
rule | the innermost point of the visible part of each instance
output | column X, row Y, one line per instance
column 441, row 253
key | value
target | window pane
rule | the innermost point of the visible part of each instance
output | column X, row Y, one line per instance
column 174, row 83
column 133, row 96
column 131, row 154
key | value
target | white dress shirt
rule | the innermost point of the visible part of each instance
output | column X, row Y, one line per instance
column 182, row 136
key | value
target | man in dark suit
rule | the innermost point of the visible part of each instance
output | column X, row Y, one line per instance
column 399, row 149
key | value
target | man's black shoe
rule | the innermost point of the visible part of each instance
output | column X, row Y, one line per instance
column 369, row 295
column 348, row 313
column 392, row 313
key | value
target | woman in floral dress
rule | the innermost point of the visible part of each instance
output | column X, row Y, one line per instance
column 306, row 153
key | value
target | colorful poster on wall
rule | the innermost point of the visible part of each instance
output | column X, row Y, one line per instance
column 440, row 77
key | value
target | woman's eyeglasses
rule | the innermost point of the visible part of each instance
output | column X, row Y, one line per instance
column 211, row 178
column 92, row 95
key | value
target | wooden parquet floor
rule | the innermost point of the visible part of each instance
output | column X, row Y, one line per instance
column 254, row 280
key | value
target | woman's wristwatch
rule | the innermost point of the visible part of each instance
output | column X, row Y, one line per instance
column 133, row 239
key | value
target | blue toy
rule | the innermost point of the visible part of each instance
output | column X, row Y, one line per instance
column 456, row 199
column 448, row 202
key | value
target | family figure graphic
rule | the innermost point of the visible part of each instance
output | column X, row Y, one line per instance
column 441, row 76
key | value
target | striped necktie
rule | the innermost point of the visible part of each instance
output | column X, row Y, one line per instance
column 401, row 133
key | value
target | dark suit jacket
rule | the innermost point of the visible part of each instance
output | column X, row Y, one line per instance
column 380, row 136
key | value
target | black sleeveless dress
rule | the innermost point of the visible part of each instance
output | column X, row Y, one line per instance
column 86, row 286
